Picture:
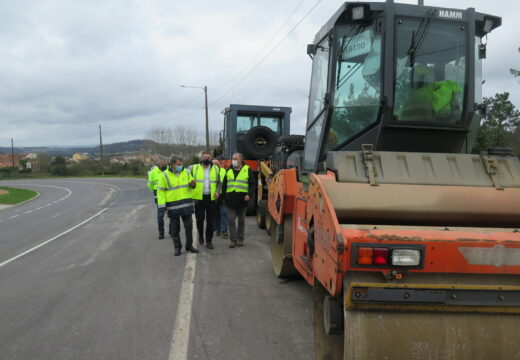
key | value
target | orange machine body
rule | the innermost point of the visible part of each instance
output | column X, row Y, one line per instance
column 323, row 249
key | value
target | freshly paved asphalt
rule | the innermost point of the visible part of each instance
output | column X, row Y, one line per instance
column 109, row 289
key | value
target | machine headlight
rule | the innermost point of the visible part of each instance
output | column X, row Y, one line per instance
column 406, row 257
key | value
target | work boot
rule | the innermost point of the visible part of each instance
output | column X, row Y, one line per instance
column 240, row 243
column 193, row 250
column 225, row 234
column 161, row 235
column 177, row 252
column 210, row 246
column 233, row 244
column 217, row 233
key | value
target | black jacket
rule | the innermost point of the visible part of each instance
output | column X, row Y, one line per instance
column 236, row 199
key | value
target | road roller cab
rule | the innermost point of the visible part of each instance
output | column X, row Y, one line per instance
column 411, row 243
column 400, row 77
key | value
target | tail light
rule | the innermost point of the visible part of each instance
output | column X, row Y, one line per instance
column 393, row 255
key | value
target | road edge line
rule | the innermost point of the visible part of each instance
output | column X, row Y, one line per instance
column 52, row 239
column 181, row 331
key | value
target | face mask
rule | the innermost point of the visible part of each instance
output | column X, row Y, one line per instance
column 162, row 168
column 234, row 163
column 205, row 161
column 179, row 168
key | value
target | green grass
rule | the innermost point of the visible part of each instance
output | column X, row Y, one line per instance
column 16, row 196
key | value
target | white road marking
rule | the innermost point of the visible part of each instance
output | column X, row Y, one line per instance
column 14, row 216
column 181, row 330
column 28, row 212
column 52, row 239
column 39, row 208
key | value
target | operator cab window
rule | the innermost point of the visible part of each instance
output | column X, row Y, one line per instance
column 273, row 123
column 245, row 123
column 430, row 72
column 249, row 121
column 357, row 83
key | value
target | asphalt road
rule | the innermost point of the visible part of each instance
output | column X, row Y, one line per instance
column 109, row 289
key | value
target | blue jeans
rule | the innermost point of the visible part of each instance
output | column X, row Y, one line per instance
column 221, row 220
column 160, row 219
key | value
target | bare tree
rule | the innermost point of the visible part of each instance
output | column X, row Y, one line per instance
column 214, row 138
column 163, row 138
column 185, row 136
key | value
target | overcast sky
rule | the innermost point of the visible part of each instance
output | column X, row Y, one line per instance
column 120, row 63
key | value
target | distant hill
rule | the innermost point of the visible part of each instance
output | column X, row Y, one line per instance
column 115, row 148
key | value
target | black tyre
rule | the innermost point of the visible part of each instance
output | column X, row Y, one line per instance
column 259, row 142
column 260, row 213
column 292, row 140
column 251, row 207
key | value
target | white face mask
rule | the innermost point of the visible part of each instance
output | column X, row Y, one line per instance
column 234, row 163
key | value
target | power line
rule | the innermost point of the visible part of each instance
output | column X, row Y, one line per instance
column 276, row 46
column 263, row 48
column 267, row 55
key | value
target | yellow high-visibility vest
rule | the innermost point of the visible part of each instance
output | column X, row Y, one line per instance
column 241, row 183
column 153, row 177
column 197, row 172
column 173, row 191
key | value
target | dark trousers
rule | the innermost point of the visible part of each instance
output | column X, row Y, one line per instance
column 221, row 217
column 175, row 228
column 236, row 215
column 160, row 219
column 205, row 210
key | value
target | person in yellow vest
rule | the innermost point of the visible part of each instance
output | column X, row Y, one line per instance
column 221, row 217
column 153, row 178
column 238, row 189
column 174, row 192
column 205, row 195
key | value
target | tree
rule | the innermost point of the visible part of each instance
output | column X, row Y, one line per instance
column 163, row 138
column 214, row 138
column 185, row 136
column 500, row 123
column 186, row 140
column 44, row 161
column 59, row 166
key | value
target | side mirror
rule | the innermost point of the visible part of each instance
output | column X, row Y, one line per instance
column 311, row 50
column 482, row 51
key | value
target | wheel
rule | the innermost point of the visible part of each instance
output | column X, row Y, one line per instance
column 251, row 206
column 292, row 140
column 281, row 248
column 259, row 142
column 268, row 222
column 260, row 213
column 326, row 315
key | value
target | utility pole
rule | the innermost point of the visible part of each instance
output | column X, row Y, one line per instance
column 101, row 150
column 205, row 88
column 12, row 155
column 207, row 121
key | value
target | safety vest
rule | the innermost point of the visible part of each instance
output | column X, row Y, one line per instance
column 173, row 191
column 222, row 174
column 241, row 183
column 153, row 177
column 197, row 171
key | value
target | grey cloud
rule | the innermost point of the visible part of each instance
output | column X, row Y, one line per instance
column 120, row 63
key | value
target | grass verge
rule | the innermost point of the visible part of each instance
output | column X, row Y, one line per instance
column 16, row 196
